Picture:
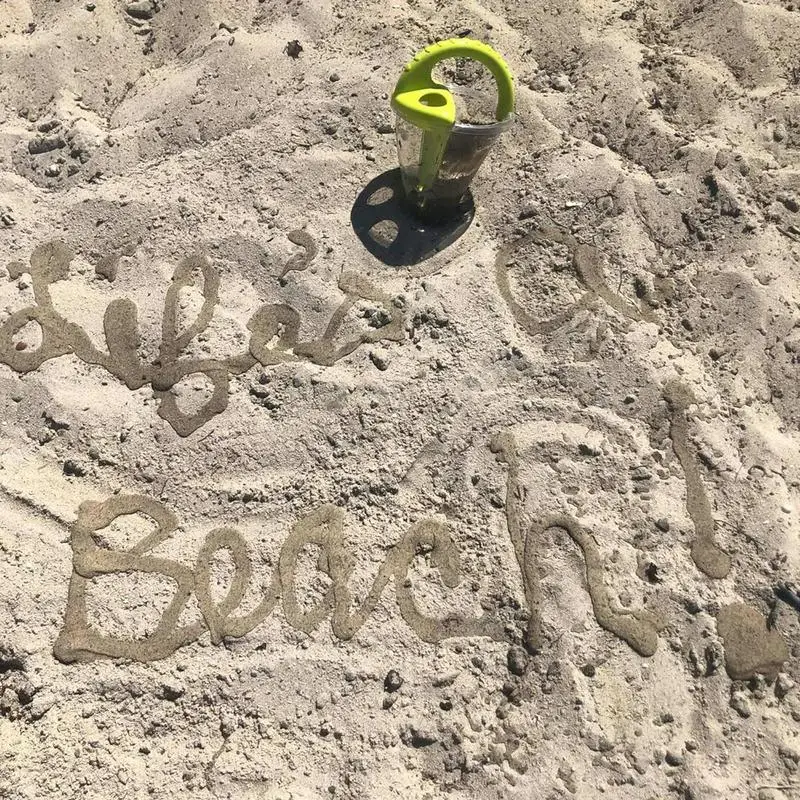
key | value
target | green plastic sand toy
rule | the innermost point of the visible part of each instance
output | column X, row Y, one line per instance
column 438, row 154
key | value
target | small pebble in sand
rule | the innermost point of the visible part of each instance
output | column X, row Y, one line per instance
column 141, row 9
column 293, row 49
column 73, row 468
column 599, row 742
column 741, row 704
column 651, row 573
column 393, row 681
column 42, row 703
column 418, row 736
column 599, row 140
column 172, row 689
column 48, row 125
column 673, row 758
column 517, row 660
column 44, row 144
column 380, row 358
column 560, row 83
column 783, row 685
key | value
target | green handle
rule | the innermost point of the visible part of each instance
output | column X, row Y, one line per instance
column 430, row 106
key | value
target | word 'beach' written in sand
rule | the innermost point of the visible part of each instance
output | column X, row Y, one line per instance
column 322, row 528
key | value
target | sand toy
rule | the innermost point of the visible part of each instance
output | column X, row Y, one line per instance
column 441, row 143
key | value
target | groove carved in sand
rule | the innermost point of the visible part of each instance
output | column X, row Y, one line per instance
column 709, row 557
column 323, row 527
column 300, row 261
column 588, row 265
column 274, row 332
column 637, row 627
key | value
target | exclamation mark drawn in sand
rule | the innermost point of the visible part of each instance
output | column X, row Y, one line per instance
column 709, row 557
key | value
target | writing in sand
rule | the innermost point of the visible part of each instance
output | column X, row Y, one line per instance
column 274, row 331
column 322, row 528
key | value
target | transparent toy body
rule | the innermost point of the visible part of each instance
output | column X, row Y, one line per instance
column 466, row 149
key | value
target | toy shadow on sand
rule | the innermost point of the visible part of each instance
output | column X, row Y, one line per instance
column 392, row 233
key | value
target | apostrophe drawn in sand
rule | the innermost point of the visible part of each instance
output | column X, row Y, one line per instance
column 300, row 261
column 323, row 527
column 274, row 332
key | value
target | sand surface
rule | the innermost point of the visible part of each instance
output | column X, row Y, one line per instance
column 289, row 511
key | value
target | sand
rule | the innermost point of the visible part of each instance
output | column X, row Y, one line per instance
column 301, row 501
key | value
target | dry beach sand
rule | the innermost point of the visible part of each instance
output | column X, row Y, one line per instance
column 282, row 520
